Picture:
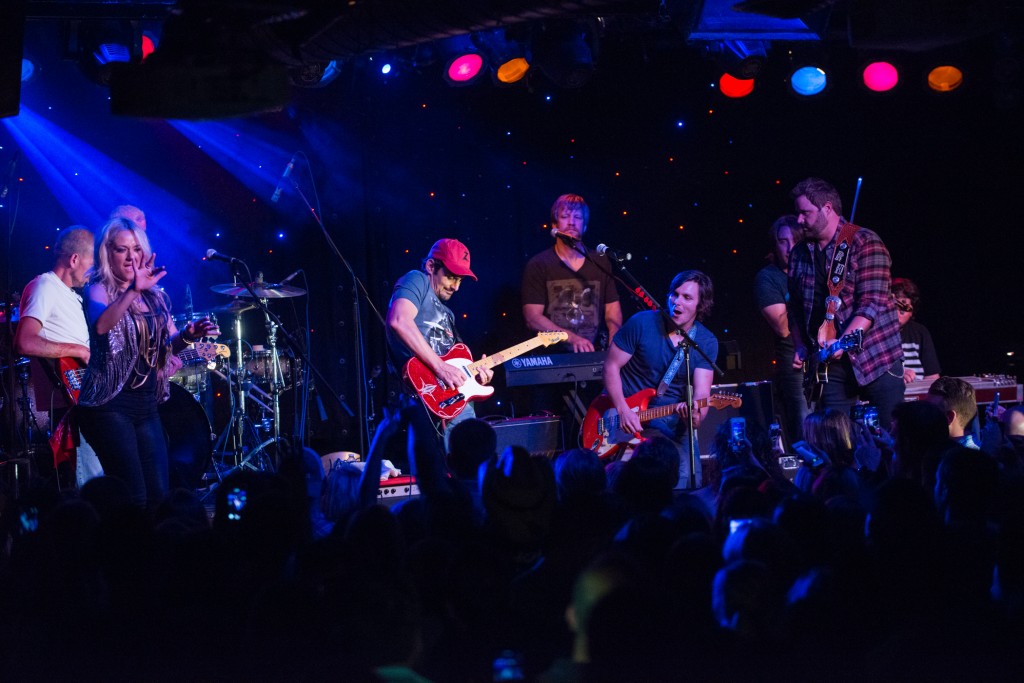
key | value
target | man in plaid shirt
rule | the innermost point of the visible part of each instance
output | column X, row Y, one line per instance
column 875, row 373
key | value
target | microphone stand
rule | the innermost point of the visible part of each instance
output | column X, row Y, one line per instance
column 357, row 286
column 620, row 274
column 688, row 343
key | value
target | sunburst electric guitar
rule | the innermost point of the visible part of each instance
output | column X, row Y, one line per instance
column 71, row 370
column 602, row 432
column 447, row 402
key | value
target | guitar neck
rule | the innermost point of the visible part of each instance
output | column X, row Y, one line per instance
column 189, row 355
column 666, row 410
column 507, row 354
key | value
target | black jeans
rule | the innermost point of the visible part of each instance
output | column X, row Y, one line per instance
column 790, row 402
column 885, row 392
column 129, row 440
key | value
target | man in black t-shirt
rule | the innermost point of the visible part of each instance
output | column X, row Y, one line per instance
column 570, row 287
column 771, row 288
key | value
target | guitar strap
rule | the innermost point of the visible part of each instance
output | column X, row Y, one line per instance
column 673, row 368
column 836, row 275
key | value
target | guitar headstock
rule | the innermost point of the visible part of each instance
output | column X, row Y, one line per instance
column 209, row 351
column 549, row 338
column 852, row 341
column 725, row 400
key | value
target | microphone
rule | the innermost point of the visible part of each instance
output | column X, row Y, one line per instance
column 284, row 176
column 620, row 256
column 214, row 255
column 10, row 174
column 290, row 277
column 564, row 238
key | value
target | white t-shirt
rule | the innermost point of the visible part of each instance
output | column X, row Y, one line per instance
column 57, row 307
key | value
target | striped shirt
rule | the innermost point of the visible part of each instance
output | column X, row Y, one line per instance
column 865, row 292
column 919, row 350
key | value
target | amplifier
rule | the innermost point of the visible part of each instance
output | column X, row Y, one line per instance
column 396, row 489
column 542, row 436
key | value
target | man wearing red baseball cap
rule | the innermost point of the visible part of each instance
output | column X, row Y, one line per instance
column 420, row 324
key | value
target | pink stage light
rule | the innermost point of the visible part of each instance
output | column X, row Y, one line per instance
column 881, row 76
column 465, row 68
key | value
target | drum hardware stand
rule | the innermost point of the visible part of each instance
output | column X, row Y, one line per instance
column 277, row 381
column 276, row 387
column 29, row 426
column 259, row 300
column 26, row 430
column 238, row 387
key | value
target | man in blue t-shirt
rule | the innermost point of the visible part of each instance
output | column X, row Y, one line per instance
column 643, row 350
column 420, row 324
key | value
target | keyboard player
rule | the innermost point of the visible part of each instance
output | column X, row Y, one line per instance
column 569, row 287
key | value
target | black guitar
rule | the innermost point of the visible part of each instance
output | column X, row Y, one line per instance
column 816, row 365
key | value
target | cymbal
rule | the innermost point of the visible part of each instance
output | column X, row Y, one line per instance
column 236, row 307
column 264, row 290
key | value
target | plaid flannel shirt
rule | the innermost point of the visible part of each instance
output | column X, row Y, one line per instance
column 865, row 292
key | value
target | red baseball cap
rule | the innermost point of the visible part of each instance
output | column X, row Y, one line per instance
column 454, row 255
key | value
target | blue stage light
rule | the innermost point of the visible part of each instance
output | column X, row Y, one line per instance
column 28, row 70
column 808, row 80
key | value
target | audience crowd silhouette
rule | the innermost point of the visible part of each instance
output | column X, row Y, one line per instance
column 889, row 557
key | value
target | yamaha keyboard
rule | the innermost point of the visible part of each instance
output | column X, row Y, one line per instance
column 555, row 368
column 985, row 388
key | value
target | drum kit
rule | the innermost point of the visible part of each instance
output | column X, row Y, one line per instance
column 251, row 379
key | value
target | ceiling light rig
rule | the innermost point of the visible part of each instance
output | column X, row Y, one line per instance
column 463, row 63
column 96, row 45
column 509, row 52
column 566, row 51
column 314, row 74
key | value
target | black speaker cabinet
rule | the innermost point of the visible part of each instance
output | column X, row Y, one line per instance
column 542, row 436
column 757, row 408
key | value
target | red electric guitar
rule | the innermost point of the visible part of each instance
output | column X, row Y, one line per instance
column 71, row 370
column 601, row 433
column 447, row 402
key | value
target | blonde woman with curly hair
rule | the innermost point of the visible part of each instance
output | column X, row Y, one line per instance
column 132, row 345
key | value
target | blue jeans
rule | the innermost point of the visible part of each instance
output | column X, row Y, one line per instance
column 129, row 440
column 675, row 428
column 885, row 392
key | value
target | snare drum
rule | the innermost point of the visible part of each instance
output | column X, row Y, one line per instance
column 189, row 438
column 261, row 368
column 193, row 378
